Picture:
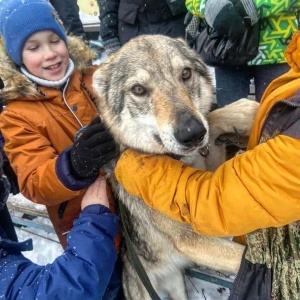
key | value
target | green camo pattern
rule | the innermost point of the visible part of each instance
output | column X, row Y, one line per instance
column 278, row 248
column 277, row 25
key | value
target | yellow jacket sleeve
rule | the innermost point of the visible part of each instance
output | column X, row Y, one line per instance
column 292, row 53
column 256, row 189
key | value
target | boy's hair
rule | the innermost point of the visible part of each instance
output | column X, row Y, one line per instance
column 19, row 19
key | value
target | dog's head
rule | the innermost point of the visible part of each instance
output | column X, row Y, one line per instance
column 154, row 94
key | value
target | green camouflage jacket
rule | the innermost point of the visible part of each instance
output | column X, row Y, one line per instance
column 277, row 25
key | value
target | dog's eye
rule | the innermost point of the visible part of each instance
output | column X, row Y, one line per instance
column 138, row 90
column 186, row 73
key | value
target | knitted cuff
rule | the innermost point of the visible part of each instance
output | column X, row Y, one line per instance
column 250, row 10
column 213, row 8
column 111, row 46
column 191, row 30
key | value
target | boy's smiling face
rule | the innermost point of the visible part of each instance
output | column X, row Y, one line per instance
column 46, row 56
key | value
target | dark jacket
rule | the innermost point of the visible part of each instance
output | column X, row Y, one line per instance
column 6, row 184
column 83, row 271
column 125, row 19
column 277, row 23
column 270, row 267
column 68, row 11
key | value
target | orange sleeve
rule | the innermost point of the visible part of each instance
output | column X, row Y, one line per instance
column 253, row 190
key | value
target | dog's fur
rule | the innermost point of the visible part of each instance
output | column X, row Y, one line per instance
column 155, row 95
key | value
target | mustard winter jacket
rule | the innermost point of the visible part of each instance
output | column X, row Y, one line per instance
column 38, row 125
column 256, row 189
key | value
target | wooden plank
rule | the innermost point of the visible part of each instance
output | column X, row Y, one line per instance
column 32, row 224
column 27, row 210
column 208, row 278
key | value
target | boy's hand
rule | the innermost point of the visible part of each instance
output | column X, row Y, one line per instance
column 96, row 194
column 94, row 148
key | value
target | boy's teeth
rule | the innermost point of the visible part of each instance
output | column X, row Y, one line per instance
column 53, row 67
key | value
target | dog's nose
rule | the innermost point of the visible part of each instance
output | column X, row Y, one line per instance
column 190, row 131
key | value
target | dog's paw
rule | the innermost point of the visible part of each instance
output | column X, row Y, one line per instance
column 236, row 118
column 236, row 139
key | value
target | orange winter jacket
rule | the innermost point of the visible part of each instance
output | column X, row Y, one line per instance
column 38, row 125
column 256, row 189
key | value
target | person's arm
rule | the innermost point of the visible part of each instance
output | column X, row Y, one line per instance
column 45, row 176
column 33, row 159
column 256, row 189
column 84, row 269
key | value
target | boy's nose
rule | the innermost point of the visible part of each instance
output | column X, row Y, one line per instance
column 49, row 53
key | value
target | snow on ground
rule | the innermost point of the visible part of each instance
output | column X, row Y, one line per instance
column 46, row 248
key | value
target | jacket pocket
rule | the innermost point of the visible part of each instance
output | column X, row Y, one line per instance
column 128, row 12
column 253, row 282
column 177, row 7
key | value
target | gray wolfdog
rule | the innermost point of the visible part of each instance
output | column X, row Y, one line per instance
column 155, row 95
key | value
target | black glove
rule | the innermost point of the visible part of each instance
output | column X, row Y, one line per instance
column 222, row 16
column 247, row 10
column 93, row 148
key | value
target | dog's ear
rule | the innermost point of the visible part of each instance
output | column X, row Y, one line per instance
column 183, row 45
column 193, row 56
column 100, row 81
column 182, row 40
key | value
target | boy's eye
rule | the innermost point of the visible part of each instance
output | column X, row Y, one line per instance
column 32, row 48
column 55, row 41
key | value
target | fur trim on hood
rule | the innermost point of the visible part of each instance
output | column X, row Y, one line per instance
column 17, row 85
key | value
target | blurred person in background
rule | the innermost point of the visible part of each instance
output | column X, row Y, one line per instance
column 277, row 22
column 68, row 11
column 122, row 20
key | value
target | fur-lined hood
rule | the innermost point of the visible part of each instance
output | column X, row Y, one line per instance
column 17, row 85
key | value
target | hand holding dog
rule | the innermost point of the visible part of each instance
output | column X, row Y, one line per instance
column 96, row 194
column 94, row 148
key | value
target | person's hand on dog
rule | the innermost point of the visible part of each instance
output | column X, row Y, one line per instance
column 233, row 138
column 93, row 148
column 96, row 194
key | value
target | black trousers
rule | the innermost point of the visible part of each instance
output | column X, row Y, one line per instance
column 7, row 224
column 68, row 11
